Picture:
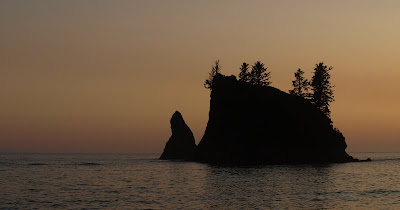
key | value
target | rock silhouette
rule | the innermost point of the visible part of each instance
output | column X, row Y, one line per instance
column 251, row 124
column 181, row 145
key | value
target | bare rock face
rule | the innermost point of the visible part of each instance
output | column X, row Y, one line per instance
column 181, row 145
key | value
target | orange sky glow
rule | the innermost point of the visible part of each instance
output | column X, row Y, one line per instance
column 106, row 76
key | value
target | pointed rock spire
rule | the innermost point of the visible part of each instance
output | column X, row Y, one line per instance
column 181, row 144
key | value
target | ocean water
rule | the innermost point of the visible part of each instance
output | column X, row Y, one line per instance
column 140, row 181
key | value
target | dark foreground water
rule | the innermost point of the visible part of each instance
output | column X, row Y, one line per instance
column 141, row 181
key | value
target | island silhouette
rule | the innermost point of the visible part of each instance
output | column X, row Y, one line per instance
column 251, row 122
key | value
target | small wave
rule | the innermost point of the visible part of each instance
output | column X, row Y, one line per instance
column 100, row 201
column 37, row 164
column 6, row 163
column 113, row 191
column 57, row 205
column 386, row 159
column 89, row 164
column 316, row 200
column 392, row 159
column 382, row 191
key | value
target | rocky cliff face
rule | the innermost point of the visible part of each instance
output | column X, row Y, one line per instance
column 181, row 145
column 252, row 124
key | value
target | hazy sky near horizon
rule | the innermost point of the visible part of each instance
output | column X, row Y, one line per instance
column 106, row 76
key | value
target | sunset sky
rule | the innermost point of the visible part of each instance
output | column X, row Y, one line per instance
column 106, row 76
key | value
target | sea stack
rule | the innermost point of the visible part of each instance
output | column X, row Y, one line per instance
column 263, row 125
column 251, row 124
column 181, row 144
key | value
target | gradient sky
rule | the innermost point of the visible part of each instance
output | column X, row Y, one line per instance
column 106, row 76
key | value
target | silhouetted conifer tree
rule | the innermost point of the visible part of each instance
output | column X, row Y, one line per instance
column 322, row 88
column 300, row 84
column 216, row 69
column 259, row 75
column 244, row 74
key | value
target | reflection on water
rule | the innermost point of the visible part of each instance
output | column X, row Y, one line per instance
column 142, row 181
column 270, row 186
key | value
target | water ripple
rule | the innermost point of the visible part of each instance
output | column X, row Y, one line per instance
column 143, row 182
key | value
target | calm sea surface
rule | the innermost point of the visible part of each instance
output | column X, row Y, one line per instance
column 141, row 181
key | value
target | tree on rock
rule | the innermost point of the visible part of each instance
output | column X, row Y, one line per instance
column 300, row 84
column 259, row 75
column 244, row 74
column 322, row 88
column 216, row 69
